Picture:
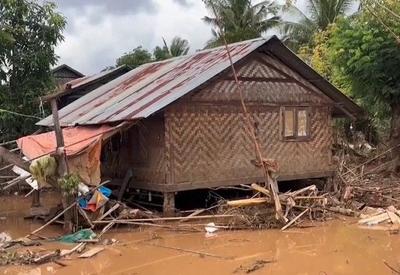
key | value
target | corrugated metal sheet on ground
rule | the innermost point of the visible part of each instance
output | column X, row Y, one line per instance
column 150, row 87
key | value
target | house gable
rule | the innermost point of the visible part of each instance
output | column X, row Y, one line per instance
column 266, row 81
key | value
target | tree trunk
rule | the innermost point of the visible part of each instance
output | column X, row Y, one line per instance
column 395, row 137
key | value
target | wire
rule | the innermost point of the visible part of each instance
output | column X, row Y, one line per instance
column 19, row 114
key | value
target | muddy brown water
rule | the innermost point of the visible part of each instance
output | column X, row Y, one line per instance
column 336, row 247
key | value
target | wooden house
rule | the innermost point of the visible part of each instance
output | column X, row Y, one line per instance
column 64, row 73
column 76, row 85
column 188, row 130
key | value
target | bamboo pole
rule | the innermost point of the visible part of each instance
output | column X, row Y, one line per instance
column 271, row 183
column 52, row 220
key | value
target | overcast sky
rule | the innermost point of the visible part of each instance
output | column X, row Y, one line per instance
column 99, row 31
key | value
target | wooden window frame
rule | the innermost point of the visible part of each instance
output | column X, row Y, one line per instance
column 296, row 110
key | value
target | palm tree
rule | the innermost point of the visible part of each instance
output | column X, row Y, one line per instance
column 320, row 13
column 177, row 47
column 239, row 19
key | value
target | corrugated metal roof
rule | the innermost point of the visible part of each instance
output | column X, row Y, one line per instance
column 76, row 83
column 150, row 87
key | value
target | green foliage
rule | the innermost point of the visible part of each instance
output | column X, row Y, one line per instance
column 361, row 56
column 178, row 47
column 135, row 58
column 299, row 31
column 69, row 183
column 29, row 32
column 140, row 56
column 240, row 19
column 368, row 58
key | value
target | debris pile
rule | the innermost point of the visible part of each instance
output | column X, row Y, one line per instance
column 374, row 216
column 369, row 182
column 256, row 213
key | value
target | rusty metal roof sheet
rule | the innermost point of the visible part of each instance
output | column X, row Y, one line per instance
column 76, row 83
column 150, row 87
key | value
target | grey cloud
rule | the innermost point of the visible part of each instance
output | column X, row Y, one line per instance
column 116, row 7
column 185, row 3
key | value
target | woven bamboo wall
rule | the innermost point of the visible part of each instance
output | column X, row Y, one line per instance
column 146, row 150
column 207, row 141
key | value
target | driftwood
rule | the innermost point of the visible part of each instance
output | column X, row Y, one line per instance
column 46, row 257
column 193, row 252
column 294, row 220
column 248, row 202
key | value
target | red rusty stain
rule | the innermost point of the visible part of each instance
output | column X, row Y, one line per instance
column 179, row 70
column 192, row 66
column 102, row 98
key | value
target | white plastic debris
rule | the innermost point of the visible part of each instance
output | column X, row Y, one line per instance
column 211, row 227
column 83, row 189
column 23, row 174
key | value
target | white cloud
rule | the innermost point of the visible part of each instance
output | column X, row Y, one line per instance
column 95, row 38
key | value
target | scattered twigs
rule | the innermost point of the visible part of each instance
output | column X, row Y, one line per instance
column 370, row 160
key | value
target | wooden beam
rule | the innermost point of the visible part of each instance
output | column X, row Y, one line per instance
column 56, row 121
column 184, row 186
column 62, row 167
column 169, row 204
column 12, row 158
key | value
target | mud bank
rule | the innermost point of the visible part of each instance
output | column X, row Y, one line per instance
column 336, row 247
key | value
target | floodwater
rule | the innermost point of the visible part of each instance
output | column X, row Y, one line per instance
column 336, row 247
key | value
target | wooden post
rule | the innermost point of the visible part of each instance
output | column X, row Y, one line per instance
column 169, row 204
column 62, row 166
column 15, row 159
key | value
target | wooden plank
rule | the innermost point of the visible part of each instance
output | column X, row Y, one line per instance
column 161, row 187
column 12, row 158
column 375, row 219
column 92, row 252
column 393, row 217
